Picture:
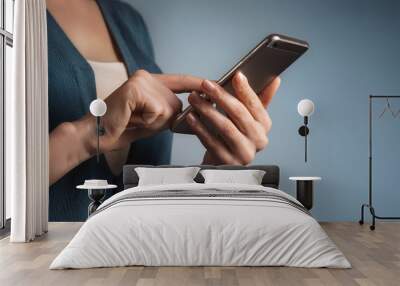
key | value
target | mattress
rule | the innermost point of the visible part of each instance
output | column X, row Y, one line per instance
column 201, row 225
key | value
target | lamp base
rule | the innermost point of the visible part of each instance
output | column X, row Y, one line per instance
column 304, row 131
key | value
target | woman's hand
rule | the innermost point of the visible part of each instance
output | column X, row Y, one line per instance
column 236, row 137
column 144, row 105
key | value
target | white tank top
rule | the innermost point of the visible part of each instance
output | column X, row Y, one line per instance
column 109, row 76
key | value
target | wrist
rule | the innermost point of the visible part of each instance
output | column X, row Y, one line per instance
column 84, row 132
column 69, row 145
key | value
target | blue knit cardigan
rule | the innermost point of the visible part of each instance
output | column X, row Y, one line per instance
column 71, row 89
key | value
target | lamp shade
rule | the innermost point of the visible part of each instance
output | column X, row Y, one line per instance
column 305, row 107
column 98, row 107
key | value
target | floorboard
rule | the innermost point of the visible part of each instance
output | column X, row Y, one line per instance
column 375, row 257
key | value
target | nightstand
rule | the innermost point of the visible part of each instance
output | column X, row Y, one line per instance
column 96, row 192
column 304, row 190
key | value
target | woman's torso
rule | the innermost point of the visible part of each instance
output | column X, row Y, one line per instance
column 72, row 86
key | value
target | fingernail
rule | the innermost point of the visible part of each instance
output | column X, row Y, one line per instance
column 208, row 86
column 241, row 76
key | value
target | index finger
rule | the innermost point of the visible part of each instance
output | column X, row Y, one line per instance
column 180, row 83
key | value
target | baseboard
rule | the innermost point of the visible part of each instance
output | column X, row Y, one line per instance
column 5, row 231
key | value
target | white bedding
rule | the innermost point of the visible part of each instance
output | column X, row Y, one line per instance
column 185, row 231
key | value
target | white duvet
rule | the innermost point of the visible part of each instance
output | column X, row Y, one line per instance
column 200, row 231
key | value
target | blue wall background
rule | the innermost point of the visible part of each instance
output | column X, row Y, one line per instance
column 355, row 51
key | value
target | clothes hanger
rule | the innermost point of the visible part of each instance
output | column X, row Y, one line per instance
column 397, row 114
column 389, row 108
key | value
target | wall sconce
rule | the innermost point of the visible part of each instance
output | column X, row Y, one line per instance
column 98, row 108
column 305, row 108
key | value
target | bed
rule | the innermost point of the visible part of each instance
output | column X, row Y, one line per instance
column 198, row 224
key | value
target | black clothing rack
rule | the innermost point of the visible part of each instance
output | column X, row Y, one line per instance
column 370, row 205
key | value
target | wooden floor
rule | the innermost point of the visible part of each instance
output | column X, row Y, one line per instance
column 375, row 257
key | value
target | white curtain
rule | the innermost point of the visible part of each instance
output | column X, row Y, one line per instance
column 27, row 124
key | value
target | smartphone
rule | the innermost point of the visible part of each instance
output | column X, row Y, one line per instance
column 261, row 65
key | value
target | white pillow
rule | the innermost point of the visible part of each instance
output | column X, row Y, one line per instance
column 163, row 176
column 248, row 177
